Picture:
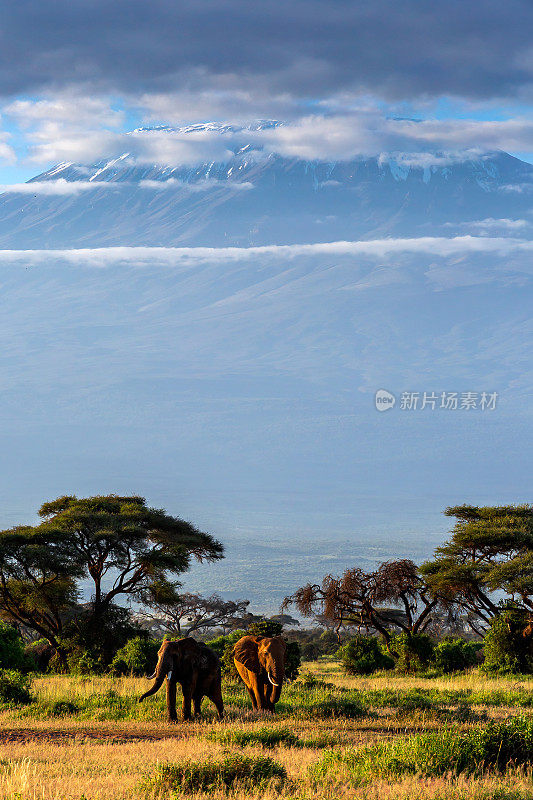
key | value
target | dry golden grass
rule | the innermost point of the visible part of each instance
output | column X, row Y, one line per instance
column 68, row 757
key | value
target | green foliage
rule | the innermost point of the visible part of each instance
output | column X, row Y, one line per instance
column 293, row 660
column 64, row 708
column 12, row 655
column 415, row 652
column 202, row 776
column 336, row 707
column 495, row 746
column 266, row 737
column 223, row 647
column 41, row 568
column 507, row 649
column 15, row 688
column 363, row 655
column 490, row 550
column 137, row 657
column 456, row 654
column 267, row 627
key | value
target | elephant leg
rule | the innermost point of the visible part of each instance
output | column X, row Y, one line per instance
column 197, row 703
column 215, row 696
column 187, row 700
column 253, row 697
column 171, row 701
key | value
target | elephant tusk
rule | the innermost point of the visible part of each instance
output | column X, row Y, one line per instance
column 151, row 677
column 271, row 681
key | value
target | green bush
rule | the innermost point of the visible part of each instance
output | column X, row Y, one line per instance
column 201, row 776
column 335, row 707
column 137, row 657
column 64, row 708
column 362, row 655
column 452, row 655
column 507, row 650
column 266, row 737
column 223, row 647
column 12, row 654
column 496, row 746
column 14, row 688
column 293, row 660
column 415, row 652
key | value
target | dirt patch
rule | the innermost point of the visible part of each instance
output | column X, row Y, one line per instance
column 63, row 735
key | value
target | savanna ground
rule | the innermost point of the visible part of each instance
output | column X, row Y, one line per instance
column 88, row 737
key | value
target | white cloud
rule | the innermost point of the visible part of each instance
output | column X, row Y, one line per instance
column 198, row 186
column 86, row 129
column 63, row 187
column 53, row 188
column 490, row 224
column 182, row 256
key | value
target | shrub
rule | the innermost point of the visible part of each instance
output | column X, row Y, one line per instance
column 452, row 655
column 415, row 652
column 266, row 737
column 412, row 701
column 39, row 654
column 14, row 688
column 198, row 776
column 293, row 660
column 335, row 707
column 84, row 662
column 495, row 746
column 12, row 654
column 64, row 708
column 362, row 655
column 507, row 650
column 223, row 647
column 137, row 657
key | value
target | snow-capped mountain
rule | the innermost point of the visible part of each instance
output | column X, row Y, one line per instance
column 256, row 197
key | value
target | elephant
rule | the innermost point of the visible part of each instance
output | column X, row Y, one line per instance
column 260, row 661
column 196, row 667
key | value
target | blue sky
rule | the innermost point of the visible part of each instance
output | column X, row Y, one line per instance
column 82, row 75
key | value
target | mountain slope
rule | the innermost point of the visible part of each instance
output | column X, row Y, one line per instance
column 259, row 198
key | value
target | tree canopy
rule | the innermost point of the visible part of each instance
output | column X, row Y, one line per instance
column 118, row 544
column 487, row 560
column 357, row 598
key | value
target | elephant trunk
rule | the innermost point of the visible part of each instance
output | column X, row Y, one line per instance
column 160, row 674
column 276, row 676
column 276, row 692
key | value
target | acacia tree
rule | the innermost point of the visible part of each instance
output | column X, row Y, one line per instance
column 38, row 582
column 118, row 544
column 168, row 611
column 357, row 598
column 487, row 561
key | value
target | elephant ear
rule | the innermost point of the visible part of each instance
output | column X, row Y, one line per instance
column 245, row 652
column 282, row 641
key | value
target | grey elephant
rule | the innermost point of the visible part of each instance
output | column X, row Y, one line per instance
column 196, row 668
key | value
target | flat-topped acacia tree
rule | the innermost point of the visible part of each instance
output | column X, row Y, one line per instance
column 119, row 544
column 488, row 559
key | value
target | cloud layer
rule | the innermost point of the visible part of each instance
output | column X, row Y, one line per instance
column 304, row 48
column 178, row 256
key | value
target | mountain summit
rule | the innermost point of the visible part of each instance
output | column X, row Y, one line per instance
column 255, row 197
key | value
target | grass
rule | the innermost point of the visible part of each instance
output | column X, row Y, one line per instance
column 204, row 776
column 497, row 746
column 334, row 736
column 264, row 737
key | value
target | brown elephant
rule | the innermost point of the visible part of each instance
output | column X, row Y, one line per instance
column 196, row 668
column 260, row 661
